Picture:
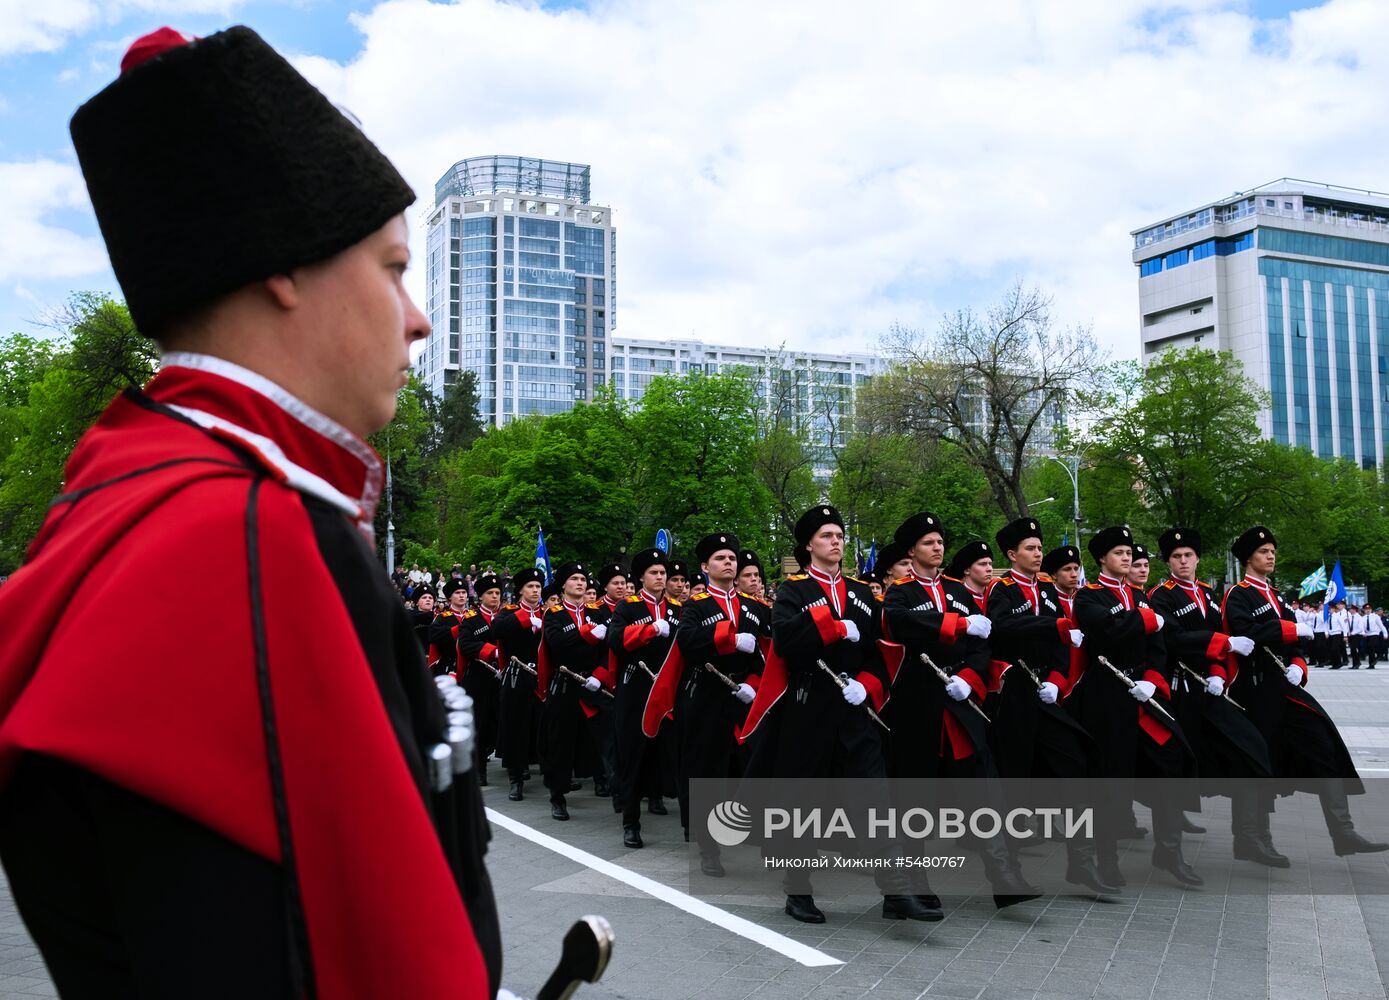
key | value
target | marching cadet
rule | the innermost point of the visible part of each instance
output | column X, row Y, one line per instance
column 677, row 581
column 750, row 579
column 1306, row 749
column 1033, row 735
column 639, row 635
column 729, row 631
column 572, row 672
column 422, row 617
column 1231, row 752
column 973, row 566
column 940, row 731
column 1337, row 626
column 443, row 634
column 823, row 730
column 1139, row 569
column 516, row 631
column 1062, row 566
column 895, row 562
column 480, row 670
column 1125, row 705
column 612, row 582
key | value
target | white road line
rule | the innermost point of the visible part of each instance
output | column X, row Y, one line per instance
column 804, row 954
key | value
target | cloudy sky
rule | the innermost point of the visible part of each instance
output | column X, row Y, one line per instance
column 784, row 171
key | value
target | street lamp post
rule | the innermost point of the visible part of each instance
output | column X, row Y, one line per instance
column 1072, row 467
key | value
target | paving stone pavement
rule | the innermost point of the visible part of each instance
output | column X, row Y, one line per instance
column 1222, row 942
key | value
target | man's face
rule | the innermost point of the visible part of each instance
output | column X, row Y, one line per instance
column 722, row 568
column 1027, row 557
column 928, row 552
column 491, row 600
column 653, row 580
column 1116, row 562
column 876, row 587
column 425, row 602
column 698, row 588
column 458, row 599
column 1138, row 572
column 750, row 580
column 902, row 567
column 530, row 593
column 1067, row 577
column 615, row 589
column 575, row 588
column 980, row 572
column 677, row 587
column 1263, row 560
column 361, row 322
column 1182, row 563
column 826, row 546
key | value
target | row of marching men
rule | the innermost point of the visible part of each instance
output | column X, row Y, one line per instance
column 840, row 677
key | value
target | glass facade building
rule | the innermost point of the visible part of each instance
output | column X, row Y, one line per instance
column 520, row 285
column 1292, row 277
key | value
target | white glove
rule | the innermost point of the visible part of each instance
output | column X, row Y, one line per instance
column 851, row 633
column 745, row 694
column 1048, row 692
column 1295, row 676
column 979, row 625
column 1077, row 637
column 1142, row 690
column 854, row 693
column 1243, row 645
column 746, row 642
column 535, row 623
column 1304, row 631
column 592, row 683
column 1215, row 686
column 600, row 632
column 1161, row 621
column 662, row 627
column 957, row 688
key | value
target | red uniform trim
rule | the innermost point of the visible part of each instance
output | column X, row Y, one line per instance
column 1158, row 681
column 726, row 638
column 1289, row 632
column 975, row 682
column 952, row 626
column 830, row 628
column 636, row 636
column 1149, row 620
column 1218, row 647
column 874, row 687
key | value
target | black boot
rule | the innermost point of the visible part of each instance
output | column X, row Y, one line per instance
column 656, row 806
column 1252, row 839
column 1167, row 846
column 1082, row 868
column 803, row 908
column 631, row 836
column 558, row 809
column 1004, row 874
column 1189, row 827
column 1336, row 809
column 1107, row 861
column 710, row 865
column 518, row 785
column 600, row 787
column 910, row 908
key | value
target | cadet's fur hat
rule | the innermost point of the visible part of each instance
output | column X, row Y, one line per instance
column 1109, row 538
column 212, row 163
column 486, row 582
column 1062, row 555
column 970, row 554
column 644, row 560
column 710, row 544
column 813, row 520
column 1178, row 538
column 1011, row 535
column 1251, row 541
column 608, row 572
column 524, row 577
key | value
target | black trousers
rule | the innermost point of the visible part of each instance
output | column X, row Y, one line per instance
column 127, row 899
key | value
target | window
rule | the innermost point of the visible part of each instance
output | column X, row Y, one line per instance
column 1150, row 267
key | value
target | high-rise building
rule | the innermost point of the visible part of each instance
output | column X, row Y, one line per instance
column 1293, row 278
column 809, row 392
column 520, row 284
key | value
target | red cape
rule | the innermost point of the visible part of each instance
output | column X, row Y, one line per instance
column 131, row 686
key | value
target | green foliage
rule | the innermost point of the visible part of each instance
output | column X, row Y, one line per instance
column 458, row 417
column 53, row 391
column 410, row 442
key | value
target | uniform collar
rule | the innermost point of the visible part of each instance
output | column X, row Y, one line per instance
column 305, row 449
column 822, row 576
column 716, row 592
column 648, row 598
column 1023, row 578
column 1110, row 582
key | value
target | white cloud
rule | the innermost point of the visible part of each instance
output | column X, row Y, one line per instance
column 46, row 25
column 31, row 246
column 776, row 168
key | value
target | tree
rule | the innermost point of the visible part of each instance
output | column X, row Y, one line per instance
column 458, row 418
column 410, row 443
column 60, row 387
column 994, row 385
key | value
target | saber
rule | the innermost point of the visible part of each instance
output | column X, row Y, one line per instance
column 516, row 662
column 581, row 678
column 1201, row 680
column 1030, row 673
column 946, row 678
column 584, row 955
column 495, row 672
column 642, row 664
column 843, row 681
column 1128, row 683
column 732, row 684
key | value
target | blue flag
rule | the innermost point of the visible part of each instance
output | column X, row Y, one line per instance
column 871, row 561
column 542, row 557
column 1335, row 591
column 1313, row 582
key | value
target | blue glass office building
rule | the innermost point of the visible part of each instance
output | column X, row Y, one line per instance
column 520, row 284
column 1293, row 277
